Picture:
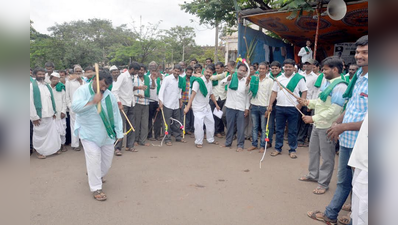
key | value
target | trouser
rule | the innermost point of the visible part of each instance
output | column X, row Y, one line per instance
column 248, row 126
column 344, row 186
column 175, row 128
column 98, row 163
column 68, row 134
column 130, row 137
column 204, row 117
column 259, row 121
column 235, row 117
column 189, row 118
column 321, row 146
column 219, row 123
column 272, row 122
column 31, row 136
column 283, row 115
column 154, row 120
column 302, row 127
column 141, row 115
column 359, row 206
column 75, row 140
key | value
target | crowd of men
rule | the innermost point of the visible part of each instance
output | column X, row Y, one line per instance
column 317, row 105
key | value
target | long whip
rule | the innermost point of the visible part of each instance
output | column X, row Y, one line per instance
column 266, row 138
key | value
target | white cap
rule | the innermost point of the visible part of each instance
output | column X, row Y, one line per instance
column 113, row 68
column 55, row 74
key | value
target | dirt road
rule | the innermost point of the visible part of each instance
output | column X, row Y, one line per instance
column 177, row 185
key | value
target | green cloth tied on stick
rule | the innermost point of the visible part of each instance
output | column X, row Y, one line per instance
column 108, row 121
column 233, row 85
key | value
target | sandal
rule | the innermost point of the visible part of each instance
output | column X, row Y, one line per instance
column 323, row 218
column 199, row 146
column 251, row 148
column 346, row 207
column 63, row 148
column 307, row 179
column 103, row 180
column 275, row 153
column 345, row 219
column 99, row 195
column 293, row 155
column 118, row 152
column 76, row 148
column 261, row 150
column 131, row 150
column 239, row 149
column 40, row 156
column 319, row 190
column 214, row 143
column 169, row 144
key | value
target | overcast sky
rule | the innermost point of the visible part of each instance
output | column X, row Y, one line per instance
column 46, row 13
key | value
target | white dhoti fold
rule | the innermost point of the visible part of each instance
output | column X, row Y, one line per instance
column 46, row 139
column 61, row 128
column 75, row 139
column 359, row 205
column 204, row 117
column 98, row 162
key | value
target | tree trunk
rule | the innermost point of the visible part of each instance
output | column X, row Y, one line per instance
column 216, row 50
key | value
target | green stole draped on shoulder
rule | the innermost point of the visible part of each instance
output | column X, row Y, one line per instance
column 59, row 87
column 182, row 83
column 147, row 84
column 158, row 85
column 348, row 93
column 306, row 49
column 325, row 93
column 272, row 76
column 109, row 122
column 318, row 81
column 215, row 82
column 294, row 81
column 254, row 83
column 37, row 97
column 202, row 85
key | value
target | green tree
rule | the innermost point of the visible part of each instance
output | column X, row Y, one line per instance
column 180, row 40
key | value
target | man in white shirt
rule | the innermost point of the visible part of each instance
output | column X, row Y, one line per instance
column 170, row 102
column 123, row 91
column 285, row 107
column 304, row 130
column 305, row 52
column 74, row 82
column 262, row 85
column 142, row 84
column 186, row 95
column 58, row 90
column 220, row 94
column 237, row 106
column 201, row 93
column 46, row 139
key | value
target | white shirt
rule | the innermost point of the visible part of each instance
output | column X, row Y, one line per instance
column 60, row 102
column 219, row 89
column 140, row 83
column 303, row 54
column 359, row 155
column 169, row 92
column 282, row 99
column 237, row 99
column 153, row 92
column 46, row 103
column 47, row 78
column 123, row 89
column 264, row 92
column 200, row 102
column 71, row 86
column 310, row 82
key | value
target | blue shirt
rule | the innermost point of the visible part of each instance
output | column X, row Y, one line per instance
column 89, row 125
column 356, row 110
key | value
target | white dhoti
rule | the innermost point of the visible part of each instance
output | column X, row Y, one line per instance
column 75, row 139
column 61, row 128
column 98, row 162
column 46, row 139
column 359, row 205
column 204, row 117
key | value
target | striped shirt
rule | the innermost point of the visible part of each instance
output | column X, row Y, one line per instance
column 357, row 108
column 187, row 93
column 139, row 83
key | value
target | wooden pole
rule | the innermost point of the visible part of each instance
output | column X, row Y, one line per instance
column 318, row 11
column 98, row 87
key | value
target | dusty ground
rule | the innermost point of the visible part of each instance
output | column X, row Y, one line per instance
column 177, row 185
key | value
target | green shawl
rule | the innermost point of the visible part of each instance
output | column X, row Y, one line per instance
column 294, row 81
column 272, row 76
column 147, row 84
column 109, row 122
column 215, row 82
column 202, row 85
column 182, row 83
column 318, row 81
column 158, row 85
column 59, row 87
column 254, row 83
column 306, row 49
column 234, row 82
column 37, row 97
column 325, row 93
column 348, row 93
